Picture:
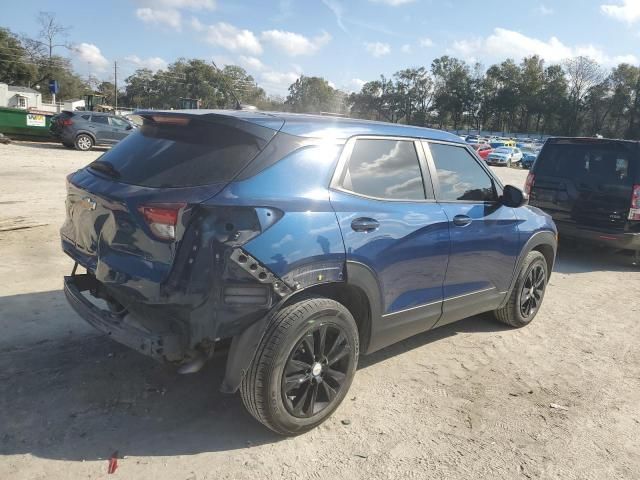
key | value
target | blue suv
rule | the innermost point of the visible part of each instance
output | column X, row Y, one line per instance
column 295, row 243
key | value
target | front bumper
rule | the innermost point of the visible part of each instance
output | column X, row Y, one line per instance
column 624, row 241
column 123, row 329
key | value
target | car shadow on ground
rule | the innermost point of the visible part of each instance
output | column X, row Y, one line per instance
column 53, row 145
column 583, row 258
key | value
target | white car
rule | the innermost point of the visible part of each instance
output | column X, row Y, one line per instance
column 505, row 156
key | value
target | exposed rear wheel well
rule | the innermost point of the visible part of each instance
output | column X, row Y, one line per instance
column 351, row 297
column 547, row 251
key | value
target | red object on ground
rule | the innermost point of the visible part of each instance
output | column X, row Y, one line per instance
column 113, row 463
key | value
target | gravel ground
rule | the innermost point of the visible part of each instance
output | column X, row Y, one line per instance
column 469, row 400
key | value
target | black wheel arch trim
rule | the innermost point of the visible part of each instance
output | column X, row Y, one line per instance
column 244, row 346
column 545, row 237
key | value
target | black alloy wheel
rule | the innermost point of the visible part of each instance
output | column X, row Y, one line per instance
column 316, row 370
column 532, row 291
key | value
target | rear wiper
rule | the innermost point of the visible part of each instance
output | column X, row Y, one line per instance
column 105, row 167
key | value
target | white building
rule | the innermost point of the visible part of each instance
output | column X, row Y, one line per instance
column 19, row 97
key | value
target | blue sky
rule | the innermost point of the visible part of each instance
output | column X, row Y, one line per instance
column 345, row 41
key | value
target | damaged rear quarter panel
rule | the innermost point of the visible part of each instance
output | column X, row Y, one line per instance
column 305, row 246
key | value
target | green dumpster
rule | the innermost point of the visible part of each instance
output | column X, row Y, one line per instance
column 34, row 124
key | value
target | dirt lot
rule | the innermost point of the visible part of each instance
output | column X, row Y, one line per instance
column 470, row 400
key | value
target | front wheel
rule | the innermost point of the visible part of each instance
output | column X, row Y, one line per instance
column 527, row 294
column 303, row 367
column 84, row 142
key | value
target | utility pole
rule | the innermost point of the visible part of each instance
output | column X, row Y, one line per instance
column 115, row 86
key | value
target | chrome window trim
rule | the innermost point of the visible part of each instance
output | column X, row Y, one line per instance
column 348, row 150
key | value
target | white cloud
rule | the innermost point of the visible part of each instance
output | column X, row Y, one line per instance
column 337, row 10
column 353, row 85
column 197, row 25
column 89, row 53
column 544, row 10
column 406, row 48
column 378, row 49
column 280, row 78
column 169, row 17
column 508, row 43
column 152, row 63
column 393, row 3
column 277, row 82
column 251, row 63
column 167, row 12
column 425, row 42
column 628, row 11
column 294, row 44
column 234, row 39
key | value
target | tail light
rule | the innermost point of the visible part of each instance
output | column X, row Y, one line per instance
column 634, row 211
column 528, row 185
column 162, row 219
column 66, row 122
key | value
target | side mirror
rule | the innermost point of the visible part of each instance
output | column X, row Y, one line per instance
column 129, row 127
column 513, row 197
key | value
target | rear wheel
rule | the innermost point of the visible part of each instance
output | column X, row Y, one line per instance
column 527, row 294
column 84, row 142
column 303, row 367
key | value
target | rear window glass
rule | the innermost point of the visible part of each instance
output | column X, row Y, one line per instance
column 596, row 163
column 200, row 152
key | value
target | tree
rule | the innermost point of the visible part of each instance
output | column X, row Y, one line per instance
column 313, row 95
column 453, row 93
column 15, row 68
column 582, row 74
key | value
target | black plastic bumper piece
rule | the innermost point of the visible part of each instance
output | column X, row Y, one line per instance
column 160, row 346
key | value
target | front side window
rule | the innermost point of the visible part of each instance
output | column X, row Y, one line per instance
column 387, row 169
column 100, row 119
column 119, row 123
column 460, row 176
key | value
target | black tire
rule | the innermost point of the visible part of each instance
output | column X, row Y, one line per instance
column 526, row 298
column 84, row 142
column 273, row 390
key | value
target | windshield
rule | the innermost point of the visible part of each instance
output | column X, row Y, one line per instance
column 503, row 150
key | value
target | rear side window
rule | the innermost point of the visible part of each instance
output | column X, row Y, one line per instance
column 99, row 119
column 613, row 163
column 86, row 117
column 186, row 151
column 460, row 176
column 387, row 169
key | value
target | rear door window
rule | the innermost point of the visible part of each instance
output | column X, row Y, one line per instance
column 385, row 169
column 590, row 164
column 184, row 151
column 100, row 119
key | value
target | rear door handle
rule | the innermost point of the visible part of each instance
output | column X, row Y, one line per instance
column 461, row 220
column 365, row 224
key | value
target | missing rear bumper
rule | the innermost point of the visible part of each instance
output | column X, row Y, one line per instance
column 123, row 329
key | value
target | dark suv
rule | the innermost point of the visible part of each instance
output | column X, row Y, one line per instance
column 591, row 188
column 298, row 242
column 83, row 130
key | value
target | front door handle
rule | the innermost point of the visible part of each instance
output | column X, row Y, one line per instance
column 365, row 224
column 461, row 220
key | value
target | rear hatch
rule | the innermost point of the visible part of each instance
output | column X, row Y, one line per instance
column 586, row 181
column 128, row 210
